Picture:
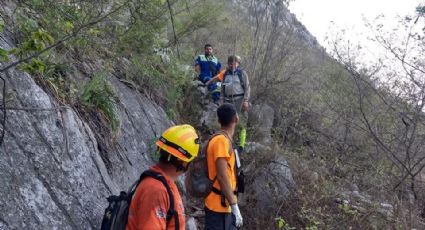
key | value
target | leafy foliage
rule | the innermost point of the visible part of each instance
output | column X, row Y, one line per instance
column 4, row 55
column 281, row 224
column 48, row 33
column 1, row 24
column 142, row 31
column 99, row 93
column 35, row 66
column 166, row 82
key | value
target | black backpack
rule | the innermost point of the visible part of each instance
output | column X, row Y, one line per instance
column 116, row 214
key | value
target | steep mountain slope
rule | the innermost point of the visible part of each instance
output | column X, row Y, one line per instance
column 55, row 174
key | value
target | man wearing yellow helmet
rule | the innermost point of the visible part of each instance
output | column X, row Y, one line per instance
column 152, row 205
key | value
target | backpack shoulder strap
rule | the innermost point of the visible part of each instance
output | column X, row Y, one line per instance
column 223, row 86
column 230, row 141
column 171, row 211
column 206, row 148
column 224, row 75
column 217, row 134
column 239, row 72
column 229, row 151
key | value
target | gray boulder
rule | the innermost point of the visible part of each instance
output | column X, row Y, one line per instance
column 261, row 120
column 209, row 118
column 252, row 147
column 271, row 185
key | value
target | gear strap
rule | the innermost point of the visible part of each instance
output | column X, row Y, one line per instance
column 171, row 211
column 223, row 198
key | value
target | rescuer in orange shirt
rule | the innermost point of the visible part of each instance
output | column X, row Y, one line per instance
column 150, row 206
column 221, row 205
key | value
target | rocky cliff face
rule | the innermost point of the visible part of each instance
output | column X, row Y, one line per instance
column 278, row 12
column 53, row 172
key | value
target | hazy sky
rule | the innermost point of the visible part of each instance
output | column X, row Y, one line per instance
column 317, row 15
column 327, row 17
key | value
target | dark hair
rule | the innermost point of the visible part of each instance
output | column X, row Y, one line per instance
column 207, row 45
column 225, row 114
column 167, row 158
column 232, row 59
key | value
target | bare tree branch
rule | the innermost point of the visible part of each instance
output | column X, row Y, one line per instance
column 174, row 29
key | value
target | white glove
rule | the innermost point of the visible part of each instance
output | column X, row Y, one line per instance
column 237, row 213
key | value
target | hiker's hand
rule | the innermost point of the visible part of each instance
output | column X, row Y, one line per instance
column 212, row 80
column 237, row 213
column 245, row 106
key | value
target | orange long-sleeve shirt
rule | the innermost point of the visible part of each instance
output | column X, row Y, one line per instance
column 150, row 203
column 220, row 74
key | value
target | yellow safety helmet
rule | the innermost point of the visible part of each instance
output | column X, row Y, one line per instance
column 181, row 141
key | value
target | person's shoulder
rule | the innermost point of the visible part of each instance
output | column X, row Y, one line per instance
column 152, row 185
column 242, row 71
column 220, row 145
column 220, row 138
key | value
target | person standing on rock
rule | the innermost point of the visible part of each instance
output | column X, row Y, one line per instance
column 235, row 89
column 152, row 203
column 207, row 66
column 221, row 205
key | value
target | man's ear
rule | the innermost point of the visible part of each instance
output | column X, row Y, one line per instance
column 235, row 119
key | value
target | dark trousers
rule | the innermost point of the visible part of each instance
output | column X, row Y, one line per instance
column 218, row 221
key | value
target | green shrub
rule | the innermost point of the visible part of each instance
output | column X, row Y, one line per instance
column 99, row 93
column 282, row 224
column 167, row 83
